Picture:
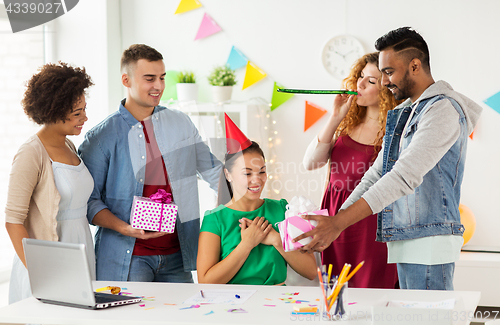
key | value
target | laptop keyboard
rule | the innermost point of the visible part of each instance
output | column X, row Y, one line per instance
column 102, row 298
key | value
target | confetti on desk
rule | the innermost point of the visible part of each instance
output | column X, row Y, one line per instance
column 220, row 296
column 292, row 301
column 291, row 294
column 192, row 306
column 113, row 289
column 211, row 312
column 237, row 311
column 304, row 310
column 142, row 305
column 269, row 305
column 149, row 308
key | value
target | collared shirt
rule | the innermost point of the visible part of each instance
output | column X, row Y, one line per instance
column 114, row 151
column 156, row 178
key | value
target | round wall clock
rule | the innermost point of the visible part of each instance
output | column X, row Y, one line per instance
column 339, row 54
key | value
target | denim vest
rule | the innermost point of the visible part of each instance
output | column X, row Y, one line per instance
column 432, row 209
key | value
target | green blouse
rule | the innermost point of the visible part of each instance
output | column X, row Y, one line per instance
column 264, row 264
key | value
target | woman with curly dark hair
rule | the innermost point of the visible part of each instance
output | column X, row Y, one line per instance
column 49, row 185
column 350, row 142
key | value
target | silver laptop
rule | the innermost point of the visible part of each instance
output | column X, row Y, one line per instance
column 59, row 274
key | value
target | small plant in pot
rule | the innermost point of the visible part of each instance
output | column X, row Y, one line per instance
column 222, row 80
column 187, row 89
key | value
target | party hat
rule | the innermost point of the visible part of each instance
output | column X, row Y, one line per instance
column 235, row 139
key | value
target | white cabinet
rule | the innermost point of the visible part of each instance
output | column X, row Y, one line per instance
column 479, row 272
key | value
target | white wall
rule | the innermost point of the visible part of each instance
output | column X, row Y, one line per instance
column 89, row 36
column 20, row 55
column 285, row 38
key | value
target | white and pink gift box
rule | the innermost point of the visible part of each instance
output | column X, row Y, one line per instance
column 150, row 215
column 294, row 225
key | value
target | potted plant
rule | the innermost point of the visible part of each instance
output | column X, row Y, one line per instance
column 187, row 89
column 222, row 80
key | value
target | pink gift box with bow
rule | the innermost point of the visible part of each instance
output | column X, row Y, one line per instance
column 294, row 226
column 155, row 213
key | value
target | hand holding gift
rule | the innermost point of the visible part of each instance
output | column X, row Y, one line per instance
column 156, row 213
column 294, row 225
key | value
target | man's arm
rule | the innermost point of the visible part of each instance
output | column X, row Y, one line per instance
column 330, row 227
column 437, row 132
column 107, row 219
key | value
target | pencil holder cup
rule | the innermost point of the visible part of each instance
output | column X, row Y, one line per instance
column 337, row 310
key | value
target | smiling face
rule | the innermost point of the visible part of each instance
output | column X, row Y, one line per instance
column 396, row 75
column 368, row 86
column 247, row 176
column 145, row 82
column 73, row 123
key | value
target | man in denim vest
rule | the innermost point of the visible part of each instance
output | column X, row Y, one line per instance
column 414, row 184
column 138, row 150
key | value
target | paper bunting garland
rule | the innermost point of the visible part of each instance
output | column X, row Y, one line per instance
column 494, row 102
column 471, row 136
column 171, row 81
column 187, row 5
column 252, row 75
column 279, row 98
column 207, row 27
column 313, row 114
column 236, row 59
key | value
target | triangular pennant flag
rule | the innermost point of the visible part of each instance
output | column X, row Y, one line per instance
column 471, row 136
column 236, row 59
column 313, row 114
column 187, row 5
column 279, row 98
column 252, row 75
column 207, row 27
column 494, row 102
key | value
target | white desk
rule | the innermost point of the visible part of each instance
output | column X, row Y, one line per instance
column 32, row 311
column 484, row 269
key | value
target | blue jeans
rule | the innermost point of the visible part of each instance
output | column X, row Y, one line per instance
column 159, row 268
column 426, row 277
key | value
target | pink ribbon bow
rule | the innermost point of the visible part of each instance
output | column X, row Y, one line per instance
column 161, row 196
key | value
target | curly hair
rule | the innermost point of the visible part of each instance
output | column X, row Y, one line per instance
column 357, row 113
column 52, row 92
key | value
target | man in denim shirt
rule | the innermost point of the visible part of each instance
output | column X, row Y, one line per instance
column 135, row 151
column 414, row 184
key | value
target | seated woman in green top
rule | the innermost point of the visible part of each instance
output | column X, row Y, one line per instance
column 239, row 242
